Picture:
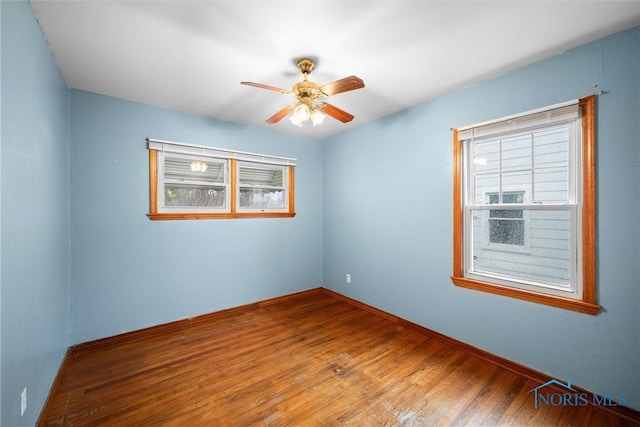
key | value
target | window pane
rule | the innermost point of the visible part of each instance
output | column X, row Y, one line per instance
column 261, row 186
column 179, row 169
column 543, row 237
column 508, row 231
column 487, row 157
column 261, row 198
column 486, row 184
column 518, row 183
column 551, row 159
column 261, row 176
column 486, row 168
column 516, row 153
column 551, row 185
column 184, row 195
column 551, row 147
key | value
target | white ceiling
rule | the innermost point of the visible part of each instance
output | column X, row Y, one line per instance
column 191, row 55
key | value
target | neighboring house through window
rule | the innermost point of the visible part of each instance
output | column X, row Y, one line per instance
column 506, row 226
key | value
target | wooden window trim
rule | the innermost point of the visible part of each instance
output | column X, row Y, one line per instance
column 588, row 304
column 153, row 198
column 233, row 176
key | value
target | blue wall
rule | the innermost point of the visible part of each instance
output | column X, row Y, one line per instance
column 35, row 215
column 388, row 220
column 0, row 216
column 129, row 272
column 79, row 259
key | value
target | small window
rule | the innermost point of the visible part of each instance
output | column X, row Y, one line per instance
column 262, row 187
column 524, row 206
column 194, row 182
column 506, row 226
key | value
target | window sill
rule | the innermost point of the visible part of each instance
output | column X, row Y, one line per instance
column 182, row 216
column 551, row 300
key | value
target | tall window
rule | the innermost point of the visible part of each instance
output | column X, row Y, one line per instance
column 524, row 206
column 194, row 182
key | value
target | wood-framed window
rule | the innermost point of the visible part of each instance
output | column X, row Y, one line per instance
column 196, row 182
column 524, row 206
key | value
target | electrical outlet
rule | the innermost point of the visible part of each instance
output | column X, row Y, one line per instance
column 348, row 278
column 23, row 401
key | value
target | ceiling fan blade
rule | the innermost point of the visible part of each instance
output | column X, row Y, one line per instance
column 280, row 114
column 343, row 85
column 335, row 112
column 263, row 86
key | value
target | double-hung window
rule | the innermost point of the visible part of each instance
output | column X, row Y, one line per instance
column 196, row 182
column 524, row 206
column 261, row 186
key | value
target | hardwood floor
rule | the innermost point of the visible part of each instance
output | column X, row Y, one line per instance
column 309, row 359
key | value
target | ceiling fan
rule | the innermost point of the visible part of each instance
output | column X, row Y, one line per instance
column 309, row 94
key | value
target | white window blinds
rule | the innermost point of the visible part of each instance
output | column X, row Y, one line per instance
column 551, row 115
column 219, row 153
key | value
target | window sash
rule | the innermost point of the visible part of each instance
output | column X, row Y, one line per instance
column 510, row 179
column 573, row 287
column 190, row 183
column 254, row 194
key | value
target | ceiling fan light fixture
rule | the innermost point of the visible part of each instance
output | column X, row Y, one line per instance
column 302, row 112
column 317, row 117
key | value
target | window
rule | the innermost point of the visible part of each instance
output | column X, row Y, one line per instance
column 506, row 226
column 194, row 182
column 524, row 206
column 261, row 187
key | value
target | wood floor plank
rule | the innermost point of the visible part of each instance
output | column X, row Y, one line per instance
column 310, row 360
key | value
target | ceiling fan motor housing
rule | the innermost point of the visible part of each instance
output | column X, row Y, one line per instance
column 306, row 91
